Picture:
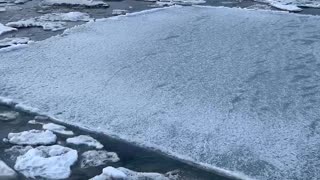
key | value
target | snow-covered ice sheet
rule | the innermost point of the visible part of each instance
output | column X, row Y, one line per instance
column 4, row 29
column 229, row 88
column 32, row 137
column 49, row 162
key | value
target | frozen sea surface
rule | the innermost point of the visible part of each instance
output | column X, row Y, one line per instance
column 229, row 88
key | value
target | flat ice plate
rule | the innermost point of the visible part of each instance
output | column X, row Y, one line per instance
column 230, row 88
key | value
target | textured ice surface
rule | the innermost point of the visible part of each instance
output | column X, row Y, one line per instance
column 32, row 137
column 8, row 115
column 85, row 140
column 4, row 29
column 96, row 158
column 56, row 128
column 50, row 162
column 87, row 3
column 231, row 88
column 6, row 173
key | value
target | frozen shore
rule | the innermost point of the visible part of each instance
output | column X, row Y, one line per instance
column 228, row 88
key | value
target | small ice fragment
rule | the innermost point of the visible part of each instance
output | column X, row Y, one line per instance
column 32, row 137
column 57, row 129
column 96, row 158
column 45, row 25
column 85, row 140
column 41, row 118
column 34, row 122
column 49, row 162
column 70, row 16
column 116, row 12
column 6, row 173
column 4, row 29
column 109, row 173
column 8, row 116
column 142, row 175
column 2, row 9
column 86, row 3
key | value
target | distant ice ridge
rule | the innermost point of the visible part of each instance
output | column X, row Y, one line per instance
column 53, row 21
column 231, row 89
column 292, row 5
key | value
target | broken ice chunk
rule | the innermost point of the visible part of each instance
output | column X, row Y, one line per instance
column 57, row 129
column 32, row 137
column 85, row 140
column 96, row 158
column 4, row 29
column 116, row 12
column 86, row 3
column 9, row 115
column 49, row 162
column 6, row 173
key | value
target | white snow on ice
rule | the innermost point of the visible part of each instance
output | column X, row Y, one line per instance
column 57, row 129
column 226, row 88
column 85, row 140
column 32, row 137
column 6, row 173
column 50, row 162
column 52, row 22
column 87, row 3
column 4, row 29
column 110, row 173
column 292, row 5
column 94, row 158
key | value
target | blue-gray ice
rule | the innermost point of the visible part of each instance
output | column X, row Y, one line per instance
column 230, row 88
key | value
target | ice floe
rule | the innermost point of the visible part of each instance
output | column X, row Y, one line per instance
column 57, row 129
column 33, row 121
column 52, row 22
column 32, row 137
column 116, row 12
column 8, row 115
column 110, row 173
column 50, row 162
column 9, row 42
column 6, row 173
column 5, row 29
column 16, row 151
column 179, row 2
column 86, row 3
column 96, row 158
column 85, row 140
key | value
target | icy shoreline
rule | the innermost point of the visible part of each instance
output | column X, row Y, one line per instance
column 139, row 100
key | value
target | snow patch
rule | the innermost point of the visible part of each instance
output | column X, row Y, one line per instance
column 85, row 140
column 57, row 129
column 51, row 162
column 6, row 173
column 8, row 115
column 86, row 3
column 5, row 29
column 95, row 158
column 32, row 137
